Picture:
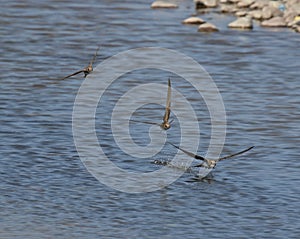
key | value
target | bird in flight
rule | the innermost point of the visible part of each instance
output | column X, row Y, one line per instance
column 166, row 124
column 87, row 70
column 210, row 163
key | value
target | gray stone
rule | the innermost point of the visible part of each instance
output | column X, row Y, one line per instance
column 274, row 22
column 207, row 27
column 242, row 23
column 193, row 20
column 163, row 4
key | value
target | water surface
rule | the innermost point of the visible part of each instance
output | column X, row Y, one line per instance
column 46, row 192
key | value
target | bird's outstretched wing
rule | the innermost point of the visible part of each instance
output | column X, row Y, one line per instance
column 144, row 122
column 238, row 153
column 94, row 57
column 168, row 104
column 76, row 73
column 189, row 153
column 204, row 159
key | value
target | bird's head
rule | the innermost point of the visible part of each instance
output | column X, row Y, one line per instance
column 166, row 125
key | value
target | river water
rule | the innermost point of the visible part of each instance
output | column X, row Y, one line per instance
column 45, row 190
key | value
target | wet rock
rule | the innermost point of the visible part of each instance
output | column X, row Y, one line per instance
column 274, row 22
column 163, row 4
column 242, row 23
column 245, row 3
column 207, row 27
column 199, row 4
column 193, row 20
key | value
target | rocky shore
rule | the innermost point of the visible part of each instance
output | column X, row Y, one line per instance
column 279, row 13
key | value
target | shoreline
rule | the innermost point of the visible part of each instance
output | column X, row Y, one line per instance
column 269, row 14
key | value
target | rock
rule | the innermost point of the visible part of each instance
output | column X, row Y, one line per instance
column 293, row 21
column 259, row 4
column 274, row 22
column 296, row 8
column 275, row 4
column 193, row 20
column 256, row 14
column 268, row 12
column 293, row 5
column 228, row 8
column 241, row 13
column 245, row 3
column 242, row 22
column 296, row 21
column 292, row 1
column 297, row 29
column 162, row 4
column 199, row 4
column 207, row 27
column 289, row 17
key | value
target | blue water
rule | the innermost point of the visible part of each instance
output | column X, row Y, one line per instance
column 45, row 190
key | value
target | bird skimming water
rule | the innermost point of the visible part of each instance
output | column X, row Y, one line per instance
column 87, row 70
column 210, row 163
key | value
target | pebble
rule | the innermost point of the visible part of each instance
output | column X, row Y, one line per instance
column 207, row 27
column 242, row 23
column 163, row 4
column 193, row 20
